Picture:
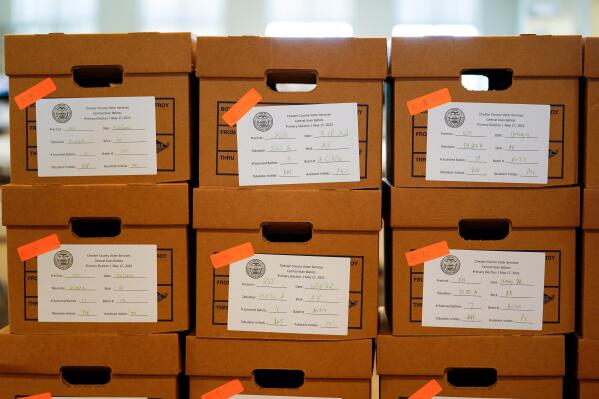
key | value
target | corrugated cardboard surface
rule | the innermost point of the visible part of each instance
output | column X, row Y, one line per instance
column 136, row 354
column 590, row 209
column 349, row 70
column 591, row 57
column 538, row 78
column 444, row 207
column 53, row 205
column 57, row 53
column 344, row 223
column 30, row 57
column 33, row 212
column 588, row 359
column 252, row 56
column 591, row 134
column 334, row 210
column 347, row 359
column 511, row 356
column 588, row 389
column 331, row 368
column 591, row 73
column 527, row 367
column 541, row 220
column 525, row 55
column 588, row 368
column 589, row 311
column 141, row 365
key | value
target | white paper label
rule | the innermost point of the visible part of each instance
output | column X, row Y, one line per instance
column 293, row 144
column 484, row 142
column 98, row 283
column 484, row 289
column 100, row 136
column 95, row 397
column 289, row 294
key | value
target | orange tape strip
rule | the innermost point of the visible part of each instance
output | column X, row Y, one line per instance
column 431, row 389
column 224, row 391
column 428, row 101
column 38, row 247
column 46, row 395
column 429, row 252
column 34, row 93
column 231, row 255
column 242, row 106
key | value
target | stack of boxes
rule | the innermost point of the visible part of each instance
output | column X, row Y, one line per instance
column 460, row 173
column 275, row 316
column 588, row 344
column 108, row 175
column 98, row 314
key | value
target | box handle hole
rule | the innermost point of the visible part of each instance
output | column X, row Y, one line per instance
column 86, row 375
column 471, row 377
column 287, row 231
column 98, row 75
column 486, row 79
column 291, row 80
column 276, row 378
column 484, row 229
column 96, row 227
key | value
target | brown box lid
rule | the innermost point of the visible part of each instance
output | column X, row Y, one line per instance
column 525, row 55
column 147, row 354
column 234, row 208
column 55, row 205
column 588, row 359
column 445, row 207
column 252, row 56
column 590, row 209
column 509, row 355
column 57, row 53
column 591, row 57
column 348, row 359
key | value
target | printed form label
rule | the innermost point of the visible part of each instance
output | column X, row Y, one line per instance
column 484, row 289
column 98, row 283
column 295, row 144
column 484, row 142
column 289, row 294
column 103, row 136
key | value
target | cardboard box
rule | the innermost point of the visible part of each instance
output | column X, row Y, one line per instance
column 131, row 57
column 541, row 220
column 346, row 70
column 538, row 77
column 334, row 369
column 588, row 368
column 591, row 137
column 90, row 365
column 589, row 311
column 487, row 367
column 34, row 212
column 343, row 223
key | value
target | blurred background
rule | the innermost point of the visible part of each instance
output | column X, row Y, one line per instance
column 381, row 18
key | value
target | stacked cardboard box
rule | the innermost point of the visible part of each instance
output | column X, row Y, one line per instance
column 305, row 237
column 460, row 173
column 103, row 163
column 588, row 345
